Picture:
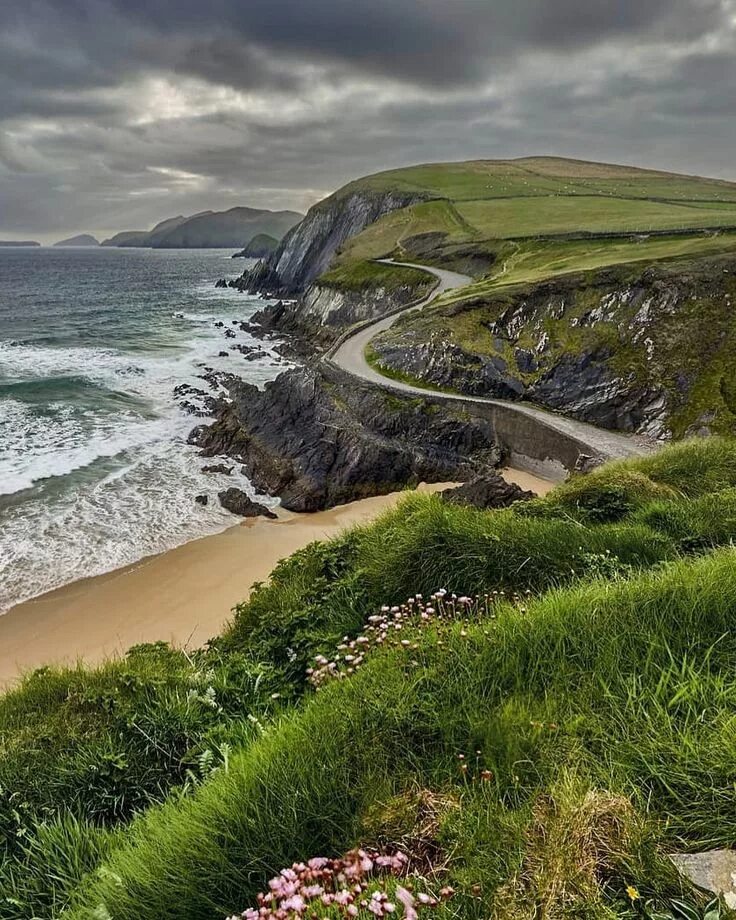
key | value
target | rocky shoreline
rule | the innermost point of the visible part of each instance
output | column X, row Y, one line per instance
column 317, row 438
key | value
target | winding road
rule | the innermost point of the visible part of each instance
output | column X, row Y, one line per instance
column 349, row 355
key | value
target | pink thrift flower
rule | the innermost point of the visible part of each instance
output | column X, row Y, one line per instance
column 407, row 899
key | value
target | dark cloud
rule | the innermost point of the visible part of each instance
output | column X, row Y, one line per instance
column 118, row 112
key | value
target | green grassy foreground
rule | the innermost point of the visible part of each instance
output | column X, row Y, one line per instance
column 593, row 709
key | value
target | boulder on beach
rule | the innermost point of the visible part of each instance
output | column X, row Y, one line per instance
column 487, row 491
column 237, row 502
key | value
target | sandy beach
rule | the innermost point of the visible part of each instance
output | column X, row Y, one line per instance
column 184, row 596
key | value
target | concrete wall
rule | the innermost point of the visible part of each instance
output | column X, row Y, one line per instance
column 530, row 443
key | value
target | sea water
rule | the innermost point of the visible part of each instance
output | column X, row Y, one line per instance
column 95, row 471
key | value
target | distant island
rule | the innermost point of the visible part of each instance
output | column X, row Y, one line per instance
column 259, row 247
column 19, row 243
column 210, row 230
column 82, row 239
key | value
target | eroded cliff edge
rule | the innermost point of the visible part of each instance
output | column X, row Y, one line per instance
column 318, row 438
column 646, row 349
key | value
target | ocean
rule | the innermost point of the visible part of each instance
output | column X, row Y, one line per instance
column 95, row 471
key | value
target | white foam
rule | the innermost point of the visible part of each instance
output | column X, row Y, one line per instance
column 146, row 508
column 141, row 499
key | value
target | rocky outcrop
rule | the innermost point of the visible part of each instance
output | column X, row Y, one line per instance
column 237, row 502
column 318, row 438
column 650, row 350
column 450, row 367
column 308, row 248
column 328, row 305
column 488, row 491
column 220, row 468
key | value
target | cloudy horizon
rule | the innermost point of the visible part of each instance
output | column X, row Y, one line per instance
column 116, row 114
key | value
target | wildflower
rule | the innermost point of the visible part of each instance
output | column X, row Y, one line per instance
column 632, row 893
column 407, row 899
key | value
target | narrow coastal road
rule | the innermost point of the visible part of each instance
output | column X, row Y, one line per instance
column 350, row 357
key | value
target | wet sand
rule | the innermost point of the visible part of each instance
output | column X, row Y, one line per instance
column 183, row 596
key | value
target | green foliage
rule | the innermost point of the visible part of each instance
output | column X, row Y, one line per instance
column 608, row 683
column 619, row 671
column 53, row 860
column 367, row 276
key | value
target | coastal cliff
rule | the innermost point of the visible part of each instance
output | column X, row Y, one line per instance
column 317, row 438
column 647, row 350
column 308, row 249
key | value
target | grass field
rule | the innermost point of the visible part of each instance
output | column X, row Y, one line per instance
column 519, row 212
column 477, row 179
column 528, row 261
column 540, row 752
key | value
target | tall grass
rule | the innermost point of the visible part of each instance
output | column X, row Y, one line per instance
column 630, row 686
column 81, row 748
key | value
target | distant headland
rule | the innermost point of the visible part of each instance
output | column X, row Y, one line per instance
column 19, row 243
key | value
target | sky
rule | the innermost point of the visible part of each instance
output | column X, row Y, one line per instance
column 115, row 114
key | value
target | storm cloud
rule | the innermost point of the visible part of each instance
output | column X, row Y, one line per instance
column 116, row 113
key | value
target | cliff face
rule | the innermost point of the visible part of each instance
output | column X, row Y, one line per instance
column 331, row 306
column 318, row 438
column 648, row 350
column 309, row 247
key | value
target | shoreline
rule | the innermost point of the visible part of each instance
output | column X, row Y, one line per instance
column 183, row 596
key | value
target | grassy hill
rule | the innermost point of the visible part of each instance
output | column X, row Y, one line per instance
column 539, row 747
column 478, row 204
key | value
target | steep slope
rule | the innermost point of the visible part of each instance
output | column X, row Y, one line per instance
column 638, row 348
column 454, row 214
column 308, row 249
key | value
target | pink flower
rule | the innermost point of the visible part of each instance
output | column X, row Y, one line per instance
column 295, row 903
column 407, row 899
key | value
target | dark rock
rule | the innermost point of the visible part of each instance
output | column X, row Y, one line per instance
column 308, row 248
column 201, row 499
column 219, row 324
column 318, row 438
column 222, row 283
column 586, row 386
column 218, row 468
column 525, row 360
column 186, row 393
column 448, row 366
column 229, row 334
column 251, row 352
column 487, row 491
column 223, row 354
column 237, row 502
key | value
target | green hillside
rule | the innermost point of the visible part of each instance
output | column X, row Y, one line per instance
column 534, row 749
column 500, row 208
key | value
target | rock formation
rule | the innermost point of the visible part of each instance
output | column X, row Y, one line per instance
column 318, row 438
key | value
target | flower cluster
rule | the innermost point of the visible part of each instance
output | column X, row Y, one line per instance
column 393, row 623
column 341, row 886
